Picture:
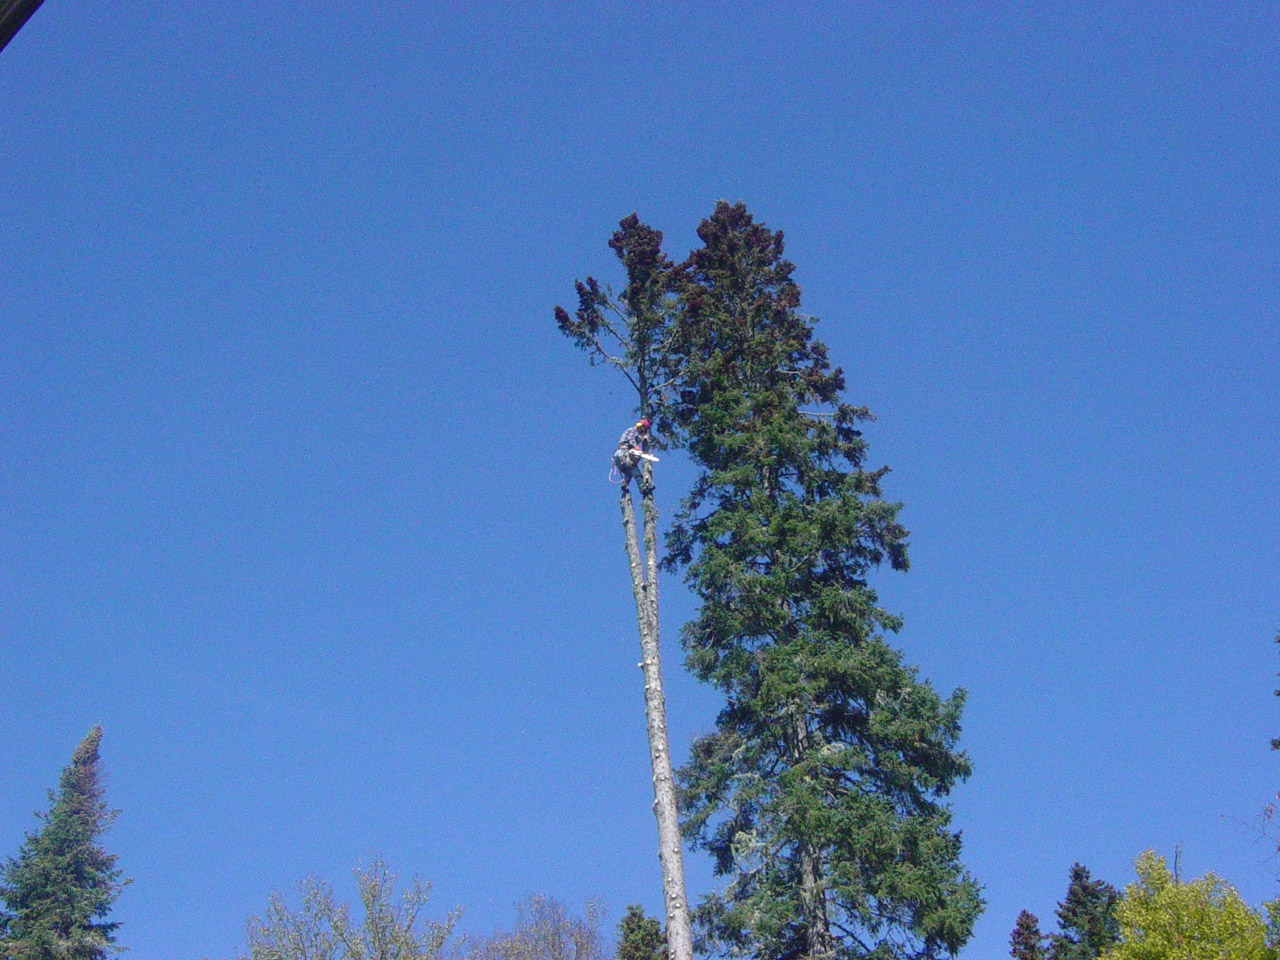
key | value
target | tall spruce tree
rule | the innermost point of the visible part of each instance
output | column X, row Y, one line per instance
column 61, row 886
column 634, row 333
column 819, row 791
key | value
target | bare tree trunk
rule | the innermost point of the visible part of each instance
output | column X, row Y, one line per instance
column 645, row 590
column 813, row 897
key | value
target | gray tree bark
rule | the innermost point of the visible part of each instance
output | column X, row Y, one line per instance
column 644, row 587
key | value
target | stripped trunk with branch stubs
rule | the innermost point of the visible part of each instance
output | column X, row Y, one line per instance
column 635, row 334
column 644, row 587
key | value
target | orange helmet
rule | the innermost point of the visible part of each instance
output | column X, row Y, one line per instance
column 642, row 422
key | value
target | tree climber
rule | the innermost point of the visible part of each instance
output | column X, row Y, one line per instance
column 633, row 446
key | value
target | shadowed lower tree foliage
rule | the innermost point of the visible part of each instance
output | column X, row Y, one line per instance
column 60, row 888
column 13, row 14
column 819, row 793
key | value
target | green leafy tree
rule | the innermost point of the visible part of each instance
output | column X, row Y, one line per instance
column 640, row 937
column 635, row 333
column 819, row 793
column 1026, row 942
column 392, row 927
column 1163, row 918
column 1086, row 918
column 60, row 888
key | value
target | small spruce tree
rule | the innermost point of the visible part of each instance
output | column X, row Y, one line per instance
column 640, row 937
column 61, row 886
column 1026, row 942
column 1086, row 918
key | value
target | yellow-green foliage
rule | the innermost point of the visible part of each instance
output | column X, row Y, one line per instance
column 1162, row 918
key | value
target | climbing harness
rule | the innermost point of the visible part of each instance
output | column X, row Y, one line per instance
column 620, row 474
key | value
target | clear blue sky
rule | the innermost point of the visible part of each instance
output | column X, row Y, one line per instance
column 303, row 497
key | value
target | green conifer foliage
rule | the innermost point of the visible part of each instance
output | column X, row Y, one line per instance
column 1026, row 942
column 819, row 793
column 1087, row 918
column 62, row 883
column 631, row 332
column 640, row 937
